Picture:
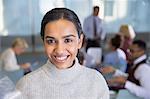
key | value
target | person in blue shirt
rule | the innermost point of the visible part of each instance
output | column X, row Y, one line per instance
column 116, row 58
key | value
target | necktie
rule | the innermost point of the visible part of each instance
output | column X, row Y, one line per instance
column 94, row 27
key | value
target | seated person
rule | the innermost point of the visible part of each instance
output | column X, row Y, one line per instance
column 127, row 33
column 138, row 80
column 116, row 58
column 88, row 59
column 8, row 58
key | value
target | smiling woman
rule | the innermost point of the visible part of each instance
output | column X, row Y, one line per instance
column 61, row 43
column 62, row 77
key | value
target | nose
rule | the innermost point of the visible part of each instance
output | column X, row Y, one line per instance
column 59, row 49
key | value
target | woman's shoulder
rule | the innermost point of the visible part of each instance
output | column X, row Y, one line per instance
column 92, row 73
column 95, row 78
column 7, row 51
column 28, row 79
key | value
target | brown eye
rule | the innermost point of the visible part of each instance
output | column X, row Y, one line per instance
column 68, row 40
column 50, row 41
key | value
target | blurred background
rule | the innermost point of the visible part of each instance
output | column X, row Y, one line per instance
column 22, row 18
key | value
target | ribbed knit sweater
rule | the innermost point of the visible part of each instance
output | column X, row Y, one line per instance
column 77, row 82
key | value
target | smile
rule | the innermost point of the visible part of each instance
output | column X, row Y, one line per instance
column 61, row 58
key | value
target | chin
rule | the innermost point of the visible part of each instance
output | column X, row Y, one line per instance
column 61, row 67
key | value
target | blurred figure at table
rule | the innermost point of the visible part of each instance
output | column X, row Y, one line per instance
column 127, row 33
column 138, row 80
column 8, row 58
column 116, row 58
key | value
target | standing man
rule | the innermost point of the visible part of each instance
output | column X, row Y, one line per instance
column 93, row 29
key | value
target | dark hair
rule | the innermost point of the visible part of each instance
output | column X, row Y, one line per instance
column 96, row 7
column 116, row 41
column 61, row 13
column 141, row 44
column 80, row 57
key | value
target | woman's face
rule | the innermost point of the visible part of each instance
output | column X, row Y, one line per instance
column 61, row 42
column 19, row 50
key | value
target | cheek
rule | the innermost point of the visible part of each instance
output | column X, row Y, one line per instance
column 20, row 51
column 48, row 50
column 73, row 50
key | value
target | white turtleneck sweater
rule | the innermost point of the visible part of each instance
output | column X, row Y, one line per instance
column 77, row 82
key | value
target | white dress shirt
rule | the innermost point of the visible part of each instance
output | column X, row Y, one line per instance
column 9, row 61
column 89, row 29
column 142, row 73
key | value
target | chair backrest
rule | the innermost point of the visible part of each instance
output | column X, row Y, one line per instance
column 96, row 53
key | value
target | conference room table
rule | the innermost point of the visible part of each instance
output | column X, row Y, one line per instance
column 125, row 94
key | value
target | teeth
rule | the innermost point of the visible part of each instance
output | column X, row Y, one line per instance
column 61, row 58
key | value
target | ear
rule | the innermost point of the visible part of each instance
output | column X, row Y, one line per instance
column 80, row 41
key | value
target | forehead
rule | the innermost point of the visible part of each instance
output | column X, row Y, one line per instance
column 60, row 25
column 60, row 22
column 60, row 28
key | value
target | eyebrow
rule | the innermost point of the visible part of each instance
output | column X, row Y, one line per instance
column 49, row 37
column 62, row 37
column 69, row 36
